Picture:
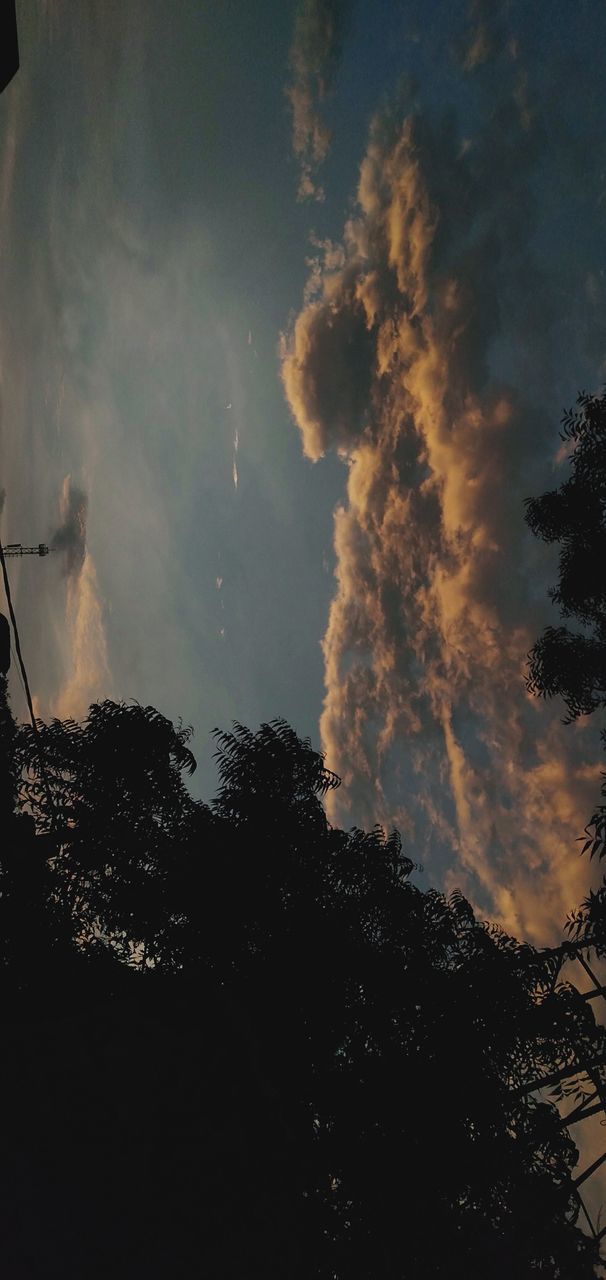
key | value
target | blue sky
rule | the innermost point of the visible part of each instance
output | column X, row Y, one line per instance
column 159, row 280
column 151, row 228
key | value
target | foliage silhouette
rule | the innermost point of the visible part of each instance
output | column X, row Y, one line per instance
column 119, row 813
column 278, row 1055
column 572, row 664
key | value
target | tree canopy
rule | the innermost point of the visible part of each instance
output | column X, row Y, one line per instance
column 241, row 1041
column 285, row 1058
column 572, row 664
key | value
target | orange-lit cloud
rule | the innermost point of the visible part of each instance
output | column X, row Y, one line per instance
column 70, row 536
column 388, row 364
column 86, row 659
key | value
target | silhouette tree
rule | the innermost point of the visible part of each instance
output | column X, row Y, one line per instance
column 23, row 887
column 319, row 1071
column 134, row 1143
column 8, row 765
column 573, row 663
column 110, row 796
column 400, row 1024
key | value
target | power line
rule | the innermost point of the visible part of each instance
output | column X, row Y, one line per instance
column 25, row 681
column 14, row 657
column 9, row 601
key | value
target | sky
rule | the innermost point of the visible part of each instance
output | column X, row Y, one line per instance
column 293, row 296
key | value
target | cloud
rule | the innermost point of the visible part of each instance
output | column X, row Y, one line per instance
column 84, row 645
column 482, row 39
column 314, row 56
column 389, row 363
column 12, row 106
column 328, row 374
column 70, row 536
column 87, row 662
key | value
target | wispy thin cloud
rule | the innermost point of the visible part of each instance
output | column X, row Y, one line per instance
column 235, row 460
column 69, row 537
column 314, row 57
column 482, row 37
column 85, row 646
column 88, row 677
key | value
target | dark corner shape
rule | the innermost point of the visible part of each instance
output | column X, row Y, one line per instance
column 9, row 47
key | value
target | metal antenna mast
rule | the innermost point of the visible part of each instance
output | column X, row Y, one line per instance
column 16, row 549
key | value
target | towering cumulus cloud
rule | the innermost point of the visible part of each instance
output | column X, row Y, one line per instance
column 314, row 55
column 389, row 364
